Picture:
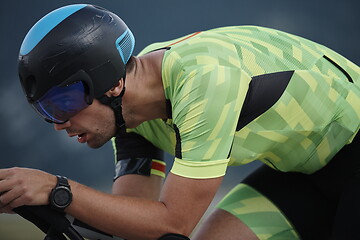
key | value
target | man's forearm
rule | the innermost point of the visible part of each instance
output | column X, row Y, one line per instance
column 128, row 217
column 182, row 203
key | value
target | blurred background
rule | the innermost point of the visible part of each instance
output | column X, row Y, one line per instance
column 28, row 141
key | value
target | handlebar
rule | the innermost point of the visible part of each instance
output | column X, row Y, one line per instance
column 53, row 223
column 56, row 225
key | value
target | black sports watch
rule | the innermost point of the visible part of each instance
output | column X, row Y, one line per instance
column 61, row 196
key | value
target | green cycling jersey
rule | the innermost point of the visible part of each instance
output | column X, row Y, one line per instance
column 206, row 78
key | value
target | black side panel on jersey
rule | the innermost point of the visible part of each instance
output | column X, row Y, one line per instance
column 134, row 155
column 264, row 91
column 178, row 153
column 132, row 145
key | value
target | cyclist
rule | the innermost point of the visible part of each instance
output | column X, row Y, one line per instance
column 213, row 99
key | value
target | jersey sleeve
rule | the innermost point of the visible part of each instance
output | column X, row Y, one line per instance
column 135, row 155
column 206, row 103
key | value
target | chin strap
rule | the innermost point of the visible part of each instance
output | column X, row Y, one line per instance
column 115, row 103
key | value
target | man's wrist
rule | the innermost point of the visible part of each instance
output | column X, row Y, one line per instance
column 61, row 195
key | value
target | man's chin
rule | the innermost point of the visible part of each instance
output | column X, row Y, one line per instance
column 97, row 142
column 95, row 145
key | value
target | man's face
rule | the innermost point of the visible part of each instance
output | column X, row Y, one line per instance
column 95, row 125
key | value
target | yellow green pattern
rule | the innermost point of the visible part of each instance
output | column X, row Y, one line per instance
column 206, row 78
column 258, row 213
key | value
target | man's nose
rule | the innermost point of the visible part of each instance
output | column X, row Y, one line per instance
column 62, row 126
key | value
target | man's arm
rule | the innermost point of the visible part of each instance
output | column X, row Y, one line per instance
column 182, row 203
column 134, row 185
column 140, row 167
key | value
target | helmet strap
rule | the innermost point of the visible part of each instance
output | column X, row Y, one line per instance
column 115, row 103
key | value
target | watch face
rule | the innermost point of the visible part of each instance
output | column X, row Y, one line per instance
column 62, row 197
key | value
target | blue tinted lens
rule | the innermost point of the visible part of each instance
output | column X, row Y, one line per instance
column 59, row 104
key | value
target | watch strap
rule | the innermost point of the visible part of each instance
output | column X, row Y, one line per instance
column 62, row 181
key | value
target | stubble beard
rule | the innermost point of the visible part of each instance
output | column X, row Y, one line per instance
column 98, row 141
column 102, row 135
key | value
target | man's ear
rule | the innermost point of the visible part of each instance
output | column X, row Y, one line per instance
column 116, row 90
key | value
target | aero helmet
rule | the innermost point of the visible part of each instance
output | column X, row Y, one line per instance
column 71, row 56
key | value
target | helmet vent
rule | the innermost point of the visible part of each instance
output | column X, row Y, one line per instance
column 125, row 45
column 30, row 86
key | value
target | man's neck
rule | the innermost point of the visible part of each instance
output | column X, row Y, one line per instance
column 145, row 98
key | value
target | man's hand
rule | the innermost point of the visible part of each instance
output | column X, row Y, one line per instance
column 23, row 186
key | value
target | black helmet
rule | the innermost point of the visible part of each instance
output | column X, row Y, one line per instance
column 71, row 56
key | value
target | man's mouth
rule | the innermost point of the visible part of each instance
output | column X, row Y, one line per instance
column 82, row 138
